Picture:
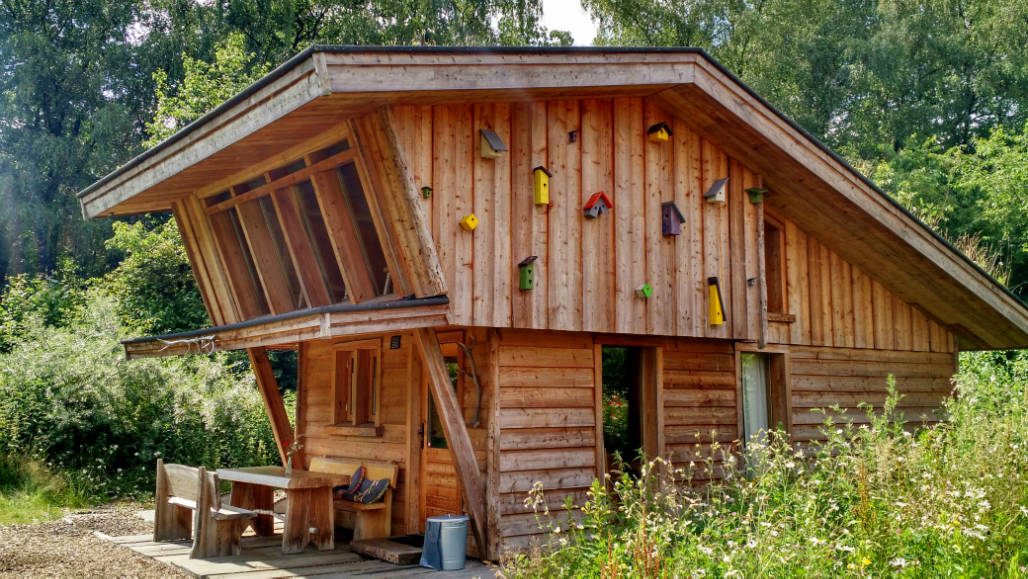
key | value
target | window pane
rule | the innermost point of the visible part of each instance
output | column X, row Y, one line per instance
column 371, row 245
column 755, row 407
column 281, row 257
column 317, row 233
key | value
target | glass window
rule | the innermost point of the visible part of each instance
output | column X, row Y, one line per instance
column 355, row 387
column 756, row 396
column 360, row 212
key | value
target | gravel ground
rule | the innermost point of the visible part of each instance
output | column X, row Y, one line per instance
column 67, row 547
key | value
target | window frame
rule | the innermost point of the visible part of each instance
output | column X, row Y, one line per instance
column 779, row 388
column 321, row 169
column 347, row 398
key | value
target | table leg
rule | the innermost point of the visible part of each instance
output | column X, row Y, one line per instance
column 321, row 517
column 251, row 496
column 308, row 509
column 296, row 531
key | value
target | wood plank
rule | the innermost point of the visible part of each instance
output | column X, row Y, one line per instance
column 530, row 357
column 901, row 325
column 660, row 250
column 565, row 224
column 881, row 306
column 547, row 437
column 920, row 338
column 629, row 224
column 456, row 432
column 491, row 279
column 546, row 377
column 689, row 285
column 342, row 232
column 842, row 302
column 546, row 417
column 528, row 220
column 535, row 460
column 715, row 237
column 597, row 243
column 210, row 279
column 863, row 310
column 552, row 480
column 546, row 397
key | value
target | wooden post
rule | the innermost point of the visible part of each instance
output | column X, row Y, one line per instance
column 456, row 432
column 273, row 404
column 761, row 270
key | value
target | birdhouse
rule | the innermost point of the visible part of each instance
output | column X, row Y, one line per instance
column 541, row 184
column 526, row 273
column 716, row 193
column 756, row 194
column 469, row 222
column 598, row 204
column 644, row 291
column 717, row 304
column 659, row 133
column 492, row 145
column 671, row 218
column 426, row 192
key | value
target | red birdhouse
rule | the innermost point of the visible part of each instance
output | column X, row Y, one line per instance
column 598, row 204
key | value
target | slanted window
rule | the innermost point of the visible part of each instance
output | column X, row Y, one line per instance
column 774, row 266
column 764, row 398
column 301, row 236
column 355, row 387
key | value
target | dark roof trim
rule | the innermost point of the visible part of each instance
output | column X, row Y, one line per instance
column 332, row 309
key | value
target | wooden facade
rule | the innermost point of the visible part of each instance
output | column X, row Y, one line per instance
column 430, row 353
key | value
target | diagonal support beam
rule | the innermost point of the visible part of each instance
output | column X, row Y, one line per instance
column 273, row 405
column 456, row 432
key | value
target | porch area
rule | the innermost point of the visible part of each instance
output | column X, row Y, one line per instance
column 262, row 558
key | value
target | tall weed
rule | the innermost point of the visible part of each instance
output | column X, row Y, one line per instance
column 871, row 499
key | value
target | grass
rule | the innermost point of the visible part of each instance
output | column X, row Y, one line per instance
column 874, row 499
column 31, row 493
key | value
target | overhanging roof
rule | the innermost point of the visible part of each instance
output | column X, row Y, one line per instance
column 814, row 187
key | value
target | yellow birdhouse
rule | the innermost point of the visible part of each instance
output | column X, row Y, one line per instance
column 717, row 305
column 660, row 133
column 469, row 222
column 541, row 184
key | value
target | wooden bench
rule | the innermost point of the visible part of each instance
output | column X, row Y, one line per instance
column 188, row 499
column 372, row 521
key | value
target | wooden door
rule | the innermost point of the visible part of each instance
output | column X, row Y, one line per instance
column 440, row 485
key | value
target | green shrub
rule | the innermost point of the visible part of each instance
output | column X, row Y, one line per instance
column 875, row 499
column 68, row 398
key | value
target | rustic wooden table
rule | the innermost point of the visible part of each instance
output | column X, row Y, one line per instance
column 309, row 511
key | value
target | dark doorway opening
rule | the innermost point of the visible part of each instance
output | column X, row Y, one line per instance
column 629, row 407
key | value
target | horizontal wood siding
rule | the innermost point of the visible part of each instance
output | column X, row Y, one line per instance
column 700, row 415
column 547, row 426
column 824, row 377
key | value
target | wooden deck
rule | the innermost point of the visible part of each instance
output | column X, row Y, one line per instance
column 262, row 558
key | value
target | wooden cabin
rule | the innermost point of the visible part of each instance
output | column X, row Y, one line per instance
column 377, row 210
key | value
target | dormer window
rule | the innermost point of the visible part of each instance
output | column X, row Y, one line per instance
column 301, row 236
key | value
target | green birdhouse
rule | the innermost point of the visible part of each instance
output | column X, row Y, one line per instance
column 526, row 273
column 644, row 291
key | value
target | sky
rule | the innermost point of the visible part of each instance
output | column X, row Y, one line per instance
column 569, row 15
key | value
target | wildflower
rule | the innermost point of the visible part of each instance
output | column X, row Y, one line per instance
column 817, row 541
column 864, row 561
column 899, row 562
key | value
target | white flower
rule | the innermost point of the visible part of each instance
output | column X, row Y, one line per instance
column 899, row 562
column 817, row 541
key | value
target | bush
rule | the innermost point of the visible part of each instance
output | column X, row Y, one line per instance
column 877, row 499
column 68, row 398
